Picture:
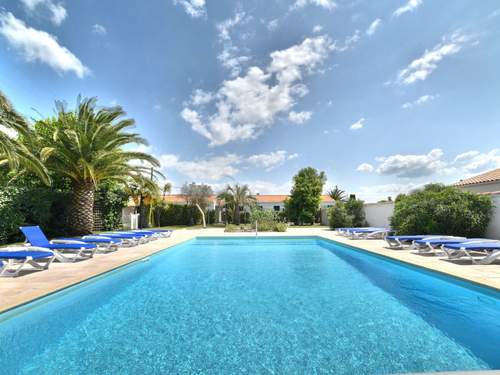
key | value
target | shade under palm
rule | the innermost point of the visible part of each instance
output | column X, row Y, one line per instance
column 87, row 146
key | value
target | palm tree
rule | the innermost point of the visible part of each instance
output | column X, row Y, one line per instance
column 87, row 146
column 337, row 194
column 237, row 197
column 13, row 129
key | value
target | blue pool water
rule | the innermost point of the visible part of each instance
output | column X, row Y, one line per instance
column 270, row 306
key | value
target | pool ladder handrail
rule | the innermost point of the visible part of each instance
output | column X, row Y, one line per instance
column 256, row 228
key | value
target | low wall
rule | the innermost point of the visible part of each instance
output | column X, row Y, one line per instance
column 493, row 230
column 378, row 214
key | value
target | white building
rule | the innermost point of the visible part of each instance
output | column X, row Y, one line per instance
column 488, row 182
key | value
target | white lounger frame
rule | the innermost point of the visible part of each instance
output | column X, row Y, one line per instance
column 12, row 267
column 489, row 255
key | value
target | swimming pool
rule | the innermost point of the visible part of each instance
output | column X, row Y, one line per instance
column 257, row 305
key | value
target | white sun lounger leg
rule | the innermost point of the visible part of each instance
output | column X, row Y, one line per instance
column 8, row 269
column 489, row 258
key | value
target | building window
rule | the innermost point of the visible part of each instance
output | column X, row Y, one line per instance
column 276, row 208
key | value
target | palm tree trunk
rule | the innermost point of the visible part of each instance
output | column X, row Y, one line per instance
column 81, row 217
column 237, row 214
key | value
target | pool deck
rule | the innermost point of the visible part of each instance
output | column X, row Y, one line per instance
column 33, row 285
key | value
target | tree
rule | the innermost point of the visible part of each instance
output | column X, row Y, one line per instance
column 13, row 152
column 338, row 216
column 197, row 195
column 437, row 209
column 355, row 209
column 303, row 204
column 87, row 145
column 236, row 198
column 337, row 194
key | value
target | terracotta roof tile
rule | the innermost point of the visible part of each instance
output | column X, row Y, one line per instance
column 490, row 176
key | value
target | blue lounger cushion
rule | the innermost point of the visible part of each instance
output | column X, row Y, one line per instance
column 36, row 237
column 409, row 238
column 475, row 246
column 22, row 254
column 92, row 240
column 445, row 241
column 121, row 235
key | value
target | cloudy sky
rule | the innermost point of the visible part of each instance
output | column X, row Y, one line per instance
column 382, row 96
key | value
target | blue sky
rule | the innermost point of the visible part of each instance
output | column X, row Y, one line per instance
column 382, row 96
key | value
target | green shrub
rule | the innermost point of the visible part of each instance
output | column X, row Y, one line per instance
column 110, row 198
column 11, row 215
column 442, row 210
column 280, row 227
column 338, row 216
column 175, row 214
column 232, row 228
column 265, row 226
column 355, row 209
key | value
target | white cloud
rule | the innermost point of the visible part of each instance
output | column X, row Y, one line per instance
column 374, row 26
column 46, row 9
column 206, row 169
column 230, row 56
column 317, row 29
column 272, row 25
column 37, row 45
column 270, row 160
column 476, row 162
column 374, row 193
column 421, row 100
column 365, row 167
column 327, row 4
column 99, row 29
column 410, row 6
column 494, row 14
column 421, row 68
column 350, row 41
column 412, row 165
column 201, row 97
column 157, row 107
column 463, row 165
column 299, row 117
column 248, row 104
column 215, row 168
column 358, row 124
column 195, row 8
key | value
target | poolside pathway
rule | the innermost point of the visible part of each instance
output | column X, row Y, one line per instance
column 16, row 291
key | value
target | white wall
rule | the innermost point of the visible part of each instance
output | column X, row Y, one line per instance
column 493, row 230
column 482, row 188
column 378, row 214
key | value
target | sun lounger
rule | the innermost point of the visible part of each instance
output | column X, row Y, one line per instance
column 488, row 251
column 369, row 234
column 104, row 244
column 165, row 233
column 398, row 242
column 432, row 245
column 65, row 251
column 139, row 237
column 130, row 239
column 13, row 260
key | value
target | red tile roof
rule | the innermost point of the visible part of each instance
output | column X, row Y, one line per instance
column 491, row 176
